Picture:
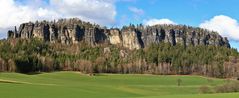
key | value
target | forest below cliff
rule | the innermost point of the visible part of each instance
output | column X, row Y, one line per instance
column 75, row 45
column 34, row 55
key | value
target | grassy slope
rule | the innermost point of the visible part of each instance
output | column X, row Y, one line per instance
column 72, row 85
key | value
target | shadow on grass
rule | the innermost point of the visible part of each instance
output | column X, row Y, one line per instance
column 32, row 73
column 99, row 74
column 37, row 72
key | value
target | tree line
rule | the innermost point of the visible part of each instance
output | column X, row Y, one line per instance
column 34, row 55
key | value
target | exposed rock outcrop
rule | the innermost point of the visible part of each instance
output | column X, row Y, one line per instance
column 131, row 38
column 115, row 36
column 72, row 31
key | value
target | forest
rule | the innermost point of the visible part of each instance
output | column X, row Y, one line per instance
column 35, row 56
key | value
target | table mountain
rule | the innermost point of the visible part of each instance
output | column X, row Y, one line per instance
column 73, row 31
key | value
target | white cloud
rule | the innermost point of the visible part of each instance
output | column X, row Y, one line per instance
column 99, row 11
column 224, row 25
column 152, row 22
column 11, row 13
column 15, row 12
column 137, row 11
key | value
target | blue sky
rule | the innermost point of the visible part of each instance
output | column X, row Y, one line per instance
column 217, row 15
column 191, row 12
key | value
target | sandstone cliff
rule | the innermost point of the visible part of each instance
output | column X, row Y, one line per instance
column 72, row 31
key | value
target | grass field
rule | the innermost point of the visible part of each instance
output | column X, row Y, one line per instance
column 76, row 85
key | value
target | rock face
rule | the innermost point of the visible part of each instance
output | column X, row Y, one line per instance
column 131, row 38
column 73, row 31
column 115, row 36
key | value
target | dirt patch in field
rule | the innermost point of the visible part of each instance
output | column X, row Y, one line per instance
column 19, row 82
column 9, row 81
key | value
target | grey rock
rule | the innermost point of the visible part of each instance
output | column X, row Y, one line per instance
column 73, row 31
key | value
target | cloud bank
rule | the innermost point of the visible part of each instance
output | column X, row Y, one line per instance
column 224, row 25
column 99, row 11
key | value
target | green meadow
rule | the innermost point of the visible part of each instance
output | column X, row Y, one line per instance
column 77, row 85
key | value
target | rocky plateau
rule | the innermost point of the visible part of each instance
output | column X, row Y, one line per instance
column 73, row 31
